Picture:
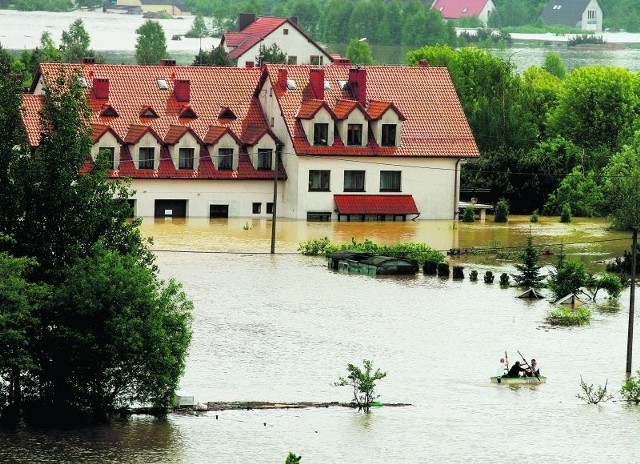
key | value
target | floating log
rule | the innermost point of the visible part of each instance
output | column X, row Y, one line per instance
column 236, row 405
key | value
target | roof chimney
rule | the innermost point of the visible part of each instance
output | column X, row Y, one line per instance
column 167, row 62
column 424, row 64
column 293, row 20
column 358, row 84
column 316, row 80
column 88, row 60
column 182, row 90
column 282, row 78
column 101, row 87
column 245, row 19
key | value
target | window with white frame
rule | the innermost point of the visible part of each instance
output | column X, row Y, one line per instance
column 315, row 60
column 390, row 181
column 146, row 158
column 354, row 181
column 320, row 133
column 185, row 158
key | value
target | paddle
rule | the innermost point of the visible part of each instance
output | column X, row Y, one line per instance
column 506, row 359
column 527, row 364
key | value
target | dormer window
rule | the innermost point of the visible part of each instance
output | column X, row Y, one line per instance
column 188, row 113
column 226, row 113
column 108, row 112
column 225, row 159
column 388, row 135
column 146, row 158
column 264, row 158
column 354, row 134
column 185, row 158
column 148, row 112
column 320, row 133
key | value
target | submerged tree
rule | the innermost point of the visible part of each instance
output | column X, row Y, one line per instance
column 529, row 270
column 363, row 382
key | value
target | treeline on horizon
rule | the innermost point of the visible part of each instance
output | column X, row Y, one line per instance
column 384, row 22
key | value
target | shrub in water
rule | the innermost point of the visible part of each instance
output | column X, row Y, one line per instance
column 443, row 269
column 631, row 388
column 469, row 214
column 473, row 276
column 565, row 214
column 458, row 272
column 534, row 216
column 568, row 316
column 502, row 211
column 488, row 277
column 504, row 279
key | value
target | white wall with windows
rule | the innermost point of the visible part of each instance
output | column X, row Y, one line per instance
column 240, row 197
column 146, row 153
column 186, row 153
column 430, row 181
column 224, row 153
column 592, row 17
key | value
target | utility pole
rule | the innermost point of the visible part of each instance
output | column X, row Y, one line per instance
column 275, row 200
column 632, row 299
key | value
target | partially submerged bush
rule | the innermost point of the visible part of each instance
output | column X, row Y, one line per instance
column 473, row 276
column 593, row 395
column 443, row 269
column 363, row 382
column 504, row 279
column 502, row 211
column 458, row 272
column 631, row 388
column 469, row 214
column 488, row 277
column 568, row 316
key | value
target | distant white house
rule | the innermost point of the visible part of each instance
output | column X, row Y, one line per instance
column 581, row 14
column 254, row 31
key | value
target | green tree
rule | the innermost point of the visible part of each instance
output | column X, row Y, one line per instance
column 359, row 52
column 334, row 23
column 20, row 305
column 308, row 13
column 597, row 108
column 198, row 29
column 292, row 458
column 502, row 211
column 528, row 268
column 581, row 192
column 469, row 214
column 540, row 90
column 622, row 184
column 568, row 278
column 113, row 316
column 218, row 56
column 363, row 381
column 151, row 45
column 272, row 54
column 553, row 64
column 75, row 43
column 631, row 388
column 64, row 212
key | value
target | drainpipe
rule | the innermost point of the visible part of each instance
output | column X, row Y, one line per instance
column 456, row 193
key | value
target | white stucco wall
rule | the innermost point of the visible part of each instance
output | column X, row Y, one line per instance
column 200, row 194
column 293, row 44
column 594, row 25
column 147, row 140
column 430, row 181
column 187, row 141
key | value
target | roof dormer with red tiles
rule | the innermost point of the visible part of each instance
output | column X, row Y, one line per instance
column 223, row 147
column 352, row 123
column 106, row 143
column 144, row 146
column 386, row 123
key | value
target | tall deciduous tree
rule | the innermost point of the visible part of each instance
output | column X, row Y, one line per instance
column 359, row 52
column 622, row 184
column 271, row 54
column 218, row 56
column 151, row 45
column 120, row 336
column 75, row 42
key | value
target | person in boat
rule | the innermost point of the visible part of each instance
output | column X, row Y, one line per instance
column 502, row 368
column 533, row 369
column 515, row 370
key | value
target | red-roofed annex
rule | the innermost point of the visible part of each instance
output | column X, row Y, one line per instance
column 208, row 141
column 456, row 9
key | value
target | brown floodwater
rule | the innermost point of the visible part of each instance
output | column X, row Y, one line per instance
column 283, row 328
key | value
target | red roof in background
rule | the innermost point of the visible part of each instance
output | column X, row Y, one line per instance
column 454, row 9
column 31, row 105
column 375, row 204
column 252, row 34
column 435, row 123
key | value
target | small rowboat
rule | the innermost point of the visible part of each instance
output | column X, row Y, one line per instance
column 519, row 380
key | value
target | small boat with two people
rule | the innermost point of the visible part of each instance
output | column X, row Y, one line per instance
column 520, row 373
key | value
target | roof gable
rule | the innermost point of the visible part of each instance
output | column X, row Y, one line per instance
column 344, row 108
column 377, row 109
column 175, row 134
column 215, row 133
column 453, row 9
column 137, row 131
column 309, row 108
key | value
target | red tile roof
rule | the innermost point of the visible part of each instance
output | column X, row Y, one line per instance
column 454, row 9
column 252, row 34
column 132, row 88
column 344, row 108
column 435, row 124
column 309, row 108
column 377, row 109
column 375, row 204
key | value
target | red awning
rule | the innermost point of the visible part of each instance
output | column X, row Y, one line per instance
column 375, row 204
